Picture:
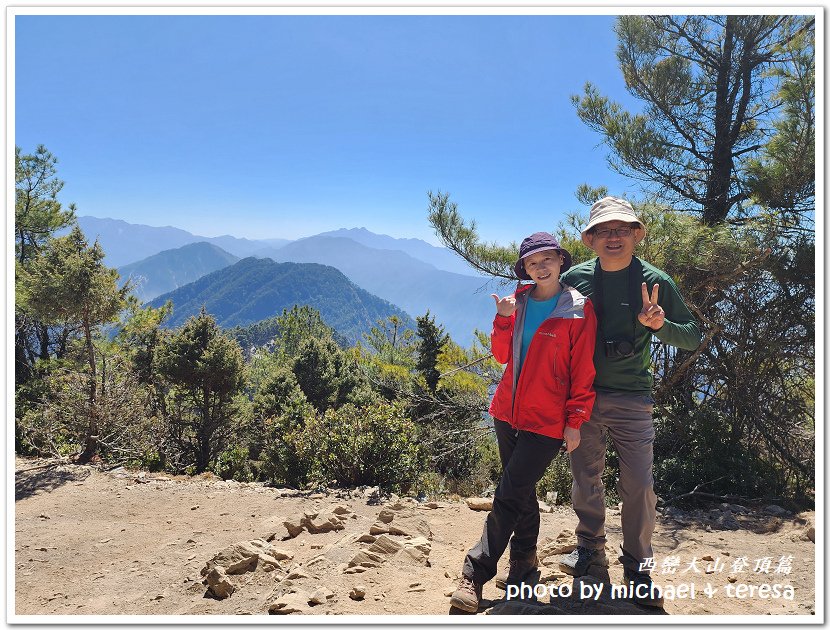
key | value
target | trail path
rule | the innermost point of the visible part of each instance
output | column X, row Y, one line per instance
column 88, row 542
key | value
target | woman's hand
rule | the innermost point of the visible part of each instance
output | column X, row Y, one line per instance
column 505, row 306
column 571, row 438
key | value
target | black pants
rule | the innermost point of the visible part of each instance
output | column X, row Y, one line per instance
column 524, row 456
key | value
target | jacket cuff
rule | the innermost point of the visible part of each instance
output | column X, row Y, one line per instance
column 575, row 421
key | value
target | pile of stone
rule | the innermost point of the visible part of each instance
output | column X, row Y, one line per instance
column 237, row 559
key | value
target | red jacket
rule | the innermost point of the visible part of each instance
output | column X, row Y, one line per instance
column 555, row 386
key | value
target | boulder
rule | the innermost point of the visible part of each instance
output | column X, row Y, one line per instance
column 365, row 558
column 242, row 557
column 413, row 526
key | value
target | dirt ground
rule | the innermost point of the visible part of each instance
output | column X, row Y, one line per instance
column 119, row 542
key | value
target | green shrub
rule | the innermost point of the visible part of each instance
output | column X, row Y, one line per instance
column 233, row 463
column 370, row 445
column 558, row 478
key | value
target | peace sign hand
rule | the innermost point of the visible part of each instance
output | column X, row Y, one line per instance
column 652, row 316
column 505, row 306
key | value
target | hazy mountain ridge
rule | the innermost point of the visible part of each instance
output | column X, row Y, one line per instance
column 461, row 303
column 256, row 289
column 173, row 268
column 125, row 243
column 439, row 257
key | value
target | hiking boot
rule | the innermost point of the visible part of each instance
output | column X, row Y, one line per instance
column 519, row 571
column 467, row 596
column 643, row 592
column 581, row 559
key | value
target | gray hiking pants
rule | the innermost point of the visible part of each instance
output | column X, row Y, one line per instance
column 626, row 418
column 524, row 456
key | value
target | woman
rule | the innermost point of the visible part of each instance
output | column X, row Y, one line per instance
column 545, row 333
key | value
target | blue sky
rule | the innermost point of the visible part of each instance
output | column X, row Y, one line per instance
column 287, row 126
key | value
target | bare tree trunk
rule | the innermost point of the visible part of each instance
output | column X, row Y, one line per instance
column 91, row 444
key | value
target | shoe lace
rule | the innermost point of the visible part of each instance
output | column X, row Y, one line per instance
column 467, row 584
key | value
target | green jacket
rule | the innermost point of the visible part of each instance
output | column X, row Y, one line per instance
column 617, row 310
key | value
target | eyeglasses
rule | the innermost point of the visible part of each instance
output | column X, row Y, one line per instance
column 607, row 232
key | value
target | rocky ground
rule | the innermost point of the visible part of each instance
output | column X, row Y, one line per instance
column 89, row 542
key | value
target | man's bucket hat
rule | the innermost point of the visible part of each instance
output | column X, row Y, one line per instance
column 539, row 242
column 611, row 209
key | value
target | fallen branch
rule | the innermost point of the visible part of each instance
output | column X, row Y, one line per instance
column 695, row 492
column 51, row 464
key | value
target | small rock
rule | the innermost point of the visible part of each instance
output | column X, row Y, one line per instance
column 320, row 596
column 218, row 583
column 322, row 523
column 731, row 578
column 776, row 510
column 44, row 516
column 294, row 527
column 358, row 592
column 708, row 558
column 289, row 603
column 811, row 534
column 481, row 504
column 194, row 507
column 549, row 574
column 544, row 508
column 280, row 554
column 432, row 505
column 298, row 574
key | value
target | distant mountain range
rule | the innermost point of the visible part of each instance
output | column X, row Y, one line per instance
column 460, row 303
column 173, row 268
column 252, row 290
column 126, row 243
column 404, row 272
column 439, row 257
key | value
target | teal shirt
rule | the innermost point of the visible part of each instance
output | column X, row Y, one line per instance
column 619, row 321
column 535, row 314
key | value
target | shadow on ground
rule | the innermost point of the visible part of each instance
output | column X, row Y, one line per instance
column 28, row 483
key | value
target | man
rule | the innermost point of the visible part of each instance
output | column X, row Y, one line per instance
column 633, row 301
